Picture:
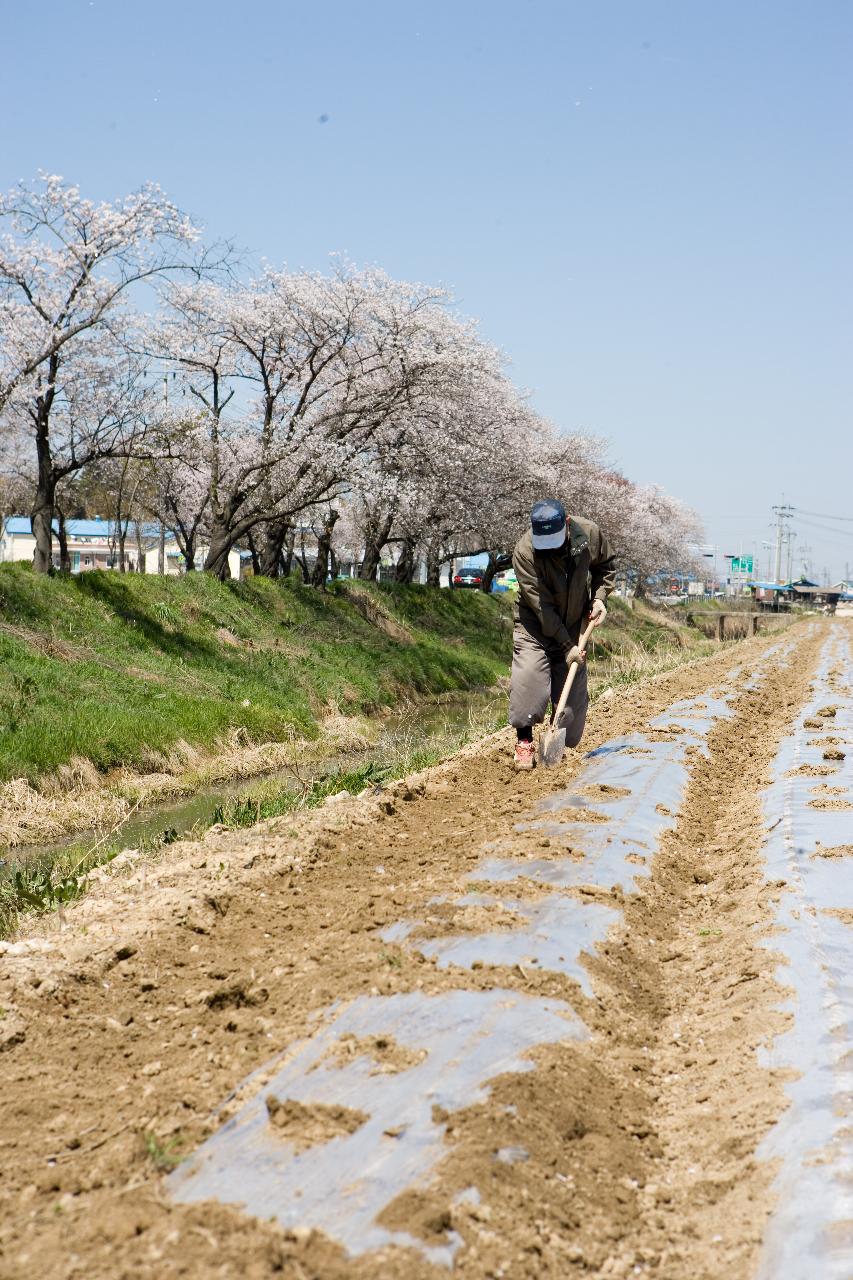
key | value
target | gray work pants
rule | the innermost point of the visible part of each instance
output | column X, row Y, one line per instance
column 539, row 672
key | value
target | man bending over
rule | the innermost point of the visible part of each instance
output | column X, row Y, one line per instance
column 565, row 571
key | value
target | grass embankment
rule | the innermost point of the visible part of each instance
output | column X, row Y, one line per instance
column 118, row 669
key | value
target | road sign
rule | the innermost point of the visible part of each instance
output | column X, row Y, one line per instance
column 741, row 565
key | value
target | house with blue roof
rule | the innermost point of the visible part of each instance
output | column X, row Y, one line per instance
column 92, row 544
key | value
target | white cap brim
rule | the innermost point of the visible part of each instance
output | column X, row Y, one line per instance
column 549, row 541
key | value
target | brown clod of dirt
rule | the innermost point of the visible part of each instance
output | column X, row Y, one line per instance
column 387, row 1054
column 572, row 813
column 827, row 712
column 238, row 995
column 832, row 753
column 833, row 851
column 844, row 914
column 306, row 1125
column 421, row 1213
column 603, row 791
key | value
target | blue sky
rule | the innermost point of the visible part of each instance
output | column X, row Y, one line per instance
column 647, row 204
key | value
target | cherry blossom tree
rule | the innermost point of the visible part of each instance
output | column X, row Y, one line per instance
column 67, row 268
column 294, row 377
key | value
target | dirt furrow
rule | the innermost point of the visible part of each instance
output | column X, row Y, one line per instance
column 704, row 1198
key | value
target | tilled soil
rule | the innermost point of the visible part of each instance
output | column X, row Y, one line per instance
column 631, row 1150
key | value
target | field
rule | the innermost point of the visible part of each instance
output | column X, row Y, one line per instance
column 593, row 1021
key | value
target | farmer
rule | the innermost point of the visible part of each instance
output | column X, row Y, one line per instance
column 565, row 571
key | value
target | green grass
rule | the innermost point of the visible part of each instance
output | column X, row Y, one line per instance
column 114, row 667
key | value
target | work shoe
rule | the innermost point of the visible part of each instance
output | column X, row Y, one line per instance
column 525, row 755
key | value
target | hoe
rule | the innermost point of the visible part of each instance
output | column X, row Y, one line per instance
column 552, row 743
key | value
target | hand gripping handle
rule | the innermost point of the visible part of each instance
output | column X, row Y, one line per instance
column 567, row 687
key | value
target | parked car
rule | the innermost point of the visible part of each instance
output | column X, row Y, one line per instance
column 470, row 575
column 505, row 581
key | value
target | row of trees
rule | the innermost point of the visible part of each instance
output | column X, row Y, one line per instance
column 237, row 412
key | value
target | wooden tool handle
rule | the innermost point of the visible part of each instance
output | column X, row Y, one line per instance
column 567, row 687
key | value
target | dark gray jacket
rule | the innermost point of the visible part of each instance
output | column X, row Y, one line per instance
column 555, row 589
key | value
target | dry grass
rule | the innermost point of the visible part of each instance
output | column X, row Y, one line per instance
column 28, row 816
column 631, row 662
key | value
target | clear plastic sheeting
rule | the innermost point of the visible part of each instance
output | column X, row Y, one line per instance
column 811, row 1231
column 632, row 788
column 604, row 831
column 558, row 929
column 625, row 797
column 454, row 1044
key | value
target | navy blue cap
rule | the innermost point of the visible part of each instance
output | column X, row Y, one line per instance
column 548, row 524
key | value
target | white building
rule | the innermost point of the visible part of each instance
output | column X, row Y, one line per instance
column 92, row 545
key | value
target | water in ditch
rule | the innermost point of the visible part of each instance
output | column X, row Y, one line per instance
column 423, row 727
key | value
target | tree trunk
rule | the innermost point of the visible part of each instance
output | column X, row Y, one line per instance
column 301, row 559
column 433, row 561
column 489, row 573
column 217, row 555
column 45, row 499
column 62, row 535
column 287, row 553
column 42, row 526
column 324, row 547
column 404, row 570
column 43, row 507
column 273, row 536
column 140, row 554
column 253, row 549
column 161, row 551
column 376, row 536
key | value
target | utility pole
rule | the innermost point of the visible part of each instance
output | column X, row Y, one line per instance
column 790, row 535
column 768, row 547
column 783, row 515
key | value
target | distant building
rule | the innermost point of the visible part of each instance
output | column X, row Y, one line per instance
column 92, row 544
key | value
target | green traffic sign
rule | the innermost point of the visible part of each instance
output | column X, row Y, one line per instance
column 742, row 564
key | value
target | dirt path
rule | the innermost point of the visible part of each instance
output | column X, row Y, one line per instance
column 508, row 1023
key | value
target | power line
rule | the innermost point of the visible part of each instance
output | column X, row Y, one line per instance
column 825, row 528
column 823, row 515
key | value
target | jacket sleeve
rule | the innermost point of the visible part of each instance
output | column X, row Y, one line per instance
column 602, row 568
column 536, row 596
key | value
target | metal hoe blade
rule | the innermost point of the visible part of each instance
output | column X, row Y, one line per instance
column 552, row 744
